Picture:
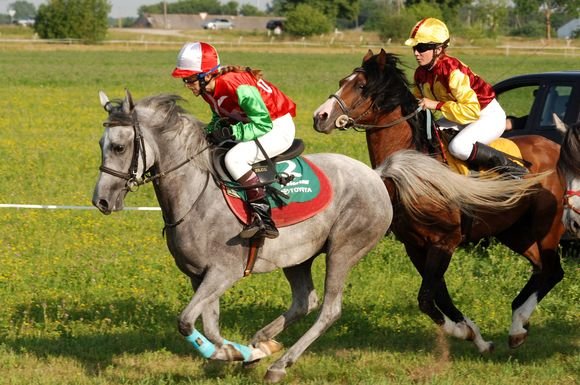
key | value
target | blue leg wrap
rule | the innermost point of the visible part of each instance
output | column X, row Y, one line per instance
column 244, row 349
column 201, row 344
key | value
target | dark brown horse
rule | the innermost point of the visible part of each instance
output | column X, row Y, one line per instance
column 375, row 98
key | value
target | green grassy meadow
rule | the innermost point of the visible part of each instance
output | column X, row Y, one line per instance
column 93, row 299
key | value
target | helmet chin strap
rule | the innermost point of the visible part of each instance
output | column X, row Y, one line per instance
column 201, row 78
column 202, row 82
column 431, row 64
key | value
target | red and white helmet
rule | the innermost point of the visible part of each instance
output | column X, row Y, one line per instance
column 196, row 58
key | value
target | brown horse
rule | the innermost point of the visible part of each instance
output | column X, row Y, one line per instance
column 375, row 98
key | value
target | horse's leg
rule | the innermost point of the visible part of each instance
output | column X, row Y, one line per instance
column 205, row 301
column 210, row 316
column 338, row 265
column 304, row 300
column 435, row 301
column 545, row 276
column 456, row 324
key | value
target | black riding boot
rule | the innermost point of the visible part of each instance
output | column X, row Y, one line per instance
column 261, row 224
column 488, row 157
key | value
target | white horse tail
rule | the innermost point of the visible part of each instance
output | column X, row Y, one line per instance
column 422, row 181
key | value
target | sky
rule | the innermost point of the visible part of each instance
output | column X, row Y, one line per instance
column 126, row 8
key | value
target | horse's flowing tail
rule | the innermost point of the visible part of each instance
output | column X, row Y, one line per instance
column 421, row 180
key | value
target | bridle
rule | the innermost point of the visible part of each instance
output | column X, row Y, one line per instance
column 345, row 121
column 133, row 181
column 567, row 200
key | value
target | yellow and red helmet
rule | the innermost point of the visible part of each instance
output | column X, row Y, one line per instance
column 428, row 31
column 196, row 58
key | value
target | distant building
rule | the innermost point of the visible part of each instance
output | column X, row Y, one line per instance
column 567, row 30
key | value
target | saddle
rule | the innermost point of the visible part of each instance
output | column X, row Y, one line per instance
column 508, row 147
column 266, row 169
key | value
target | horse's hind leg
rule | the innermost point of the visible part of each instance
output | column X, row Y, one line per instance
column 544, row 277
column 304, row 300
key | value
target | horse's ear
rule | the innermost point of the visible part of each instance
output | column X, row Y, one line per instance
column 105, row 101
column 128, row 104
column 559, row 124
column 382, row 58
column 368, row 56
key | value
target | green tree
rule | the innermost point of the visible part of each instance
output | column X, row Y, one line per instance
column 23, row 10
column 527, row 9
column 230, row 8
column 396, row 25
column 305, row 20
column 76, row 19
column 332, row 9
column 184, row 7
column 250, row 10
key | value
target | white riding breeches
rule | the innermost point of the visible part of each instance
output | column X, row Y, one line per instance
column 489, row 127
column 242, row 156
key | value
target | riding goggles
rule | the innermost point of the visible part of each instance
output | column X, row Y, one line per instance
column 191, row 79
column 424, row 47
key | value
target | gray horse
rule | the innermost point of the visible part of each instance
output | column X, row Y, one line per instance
column 156, row 140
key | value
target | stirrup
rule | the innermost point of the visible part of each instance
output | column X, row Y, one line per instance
column 256, row 226
column 270, row 232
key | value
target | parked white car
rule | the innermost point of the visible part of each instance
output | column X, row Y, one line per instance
column 218, row 24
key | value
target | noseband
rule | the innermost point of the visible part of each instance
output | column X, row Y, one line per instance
column 345, row 121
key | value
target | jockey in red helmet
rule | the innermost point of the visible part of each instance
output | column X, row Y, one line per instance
column 246, row 107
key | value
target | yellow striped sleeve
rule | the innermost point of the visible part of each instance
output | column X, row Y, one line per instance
column 465, row 108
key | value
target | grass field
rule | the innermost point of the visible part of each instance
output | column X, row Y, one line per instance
column 89, row 299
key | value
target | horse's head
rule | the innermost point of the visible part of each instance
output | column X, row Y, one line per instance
column 569, row 163
column 123, row 154
column 372, row 90
column 142, row 142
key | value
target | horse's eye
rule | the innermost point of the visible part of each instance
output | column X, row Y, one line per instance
column 119, row 148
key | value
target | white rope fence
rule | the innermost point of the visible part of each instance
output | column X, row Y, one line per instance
column 57, row 207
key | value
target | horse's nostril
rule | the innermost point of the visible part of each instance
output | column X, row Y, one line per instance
column 322, row 116
column 103, row 205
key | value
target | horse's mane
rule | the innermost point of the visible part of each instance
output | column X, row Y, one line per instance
column 388, row 87
column 570, row 149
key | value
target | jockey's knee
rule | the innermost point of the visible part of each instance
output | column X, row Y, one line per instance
column 460, row 149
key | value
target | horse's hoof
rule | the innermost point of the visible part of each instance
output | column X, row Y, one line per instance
column 517, row 340
column 250, row 364
column 269, row 347
column 490, row 348
column 274, row 375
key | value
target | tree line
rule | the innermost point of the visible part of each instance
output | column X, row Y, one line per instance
column 392, row 19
